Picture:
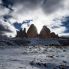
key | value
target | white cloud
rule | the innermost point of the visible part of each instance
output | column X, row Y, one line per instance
column 40, row 17
column 8, row 30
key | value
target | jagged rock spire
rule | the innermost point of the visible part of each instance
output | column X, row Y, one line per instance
column 32, row 31
column 21, row 33
column 45, row 32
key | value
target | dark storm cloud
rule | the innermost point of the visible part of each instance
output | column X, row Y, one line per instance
column 65, row 23
column 8, row 4
column 19, row 8
column 48, row 6
column 4, row 29
column 6, row 17
column 29, row 4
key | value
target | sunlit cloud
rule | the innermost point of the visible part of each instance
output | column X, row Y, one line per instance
column 42, row 12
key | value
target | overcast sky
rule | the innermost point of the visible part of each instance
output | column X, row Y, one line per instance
column 52, row 13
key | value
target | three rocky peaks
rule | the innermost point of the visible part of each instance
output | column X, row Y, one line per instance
column 32, row 33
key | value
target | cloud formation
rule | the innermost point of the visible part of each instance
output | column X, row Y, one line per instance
column 43, row 12
column 65, row 23
column 7, row 29
column 47, row 5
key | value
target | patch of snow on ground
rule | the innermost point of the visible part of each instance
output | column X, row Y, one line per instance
column 35, row 57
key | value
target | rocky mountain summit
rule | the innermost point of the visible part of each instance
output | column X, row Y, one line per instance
column 46, row 33
column 21, row 33
column 31, row 38
column 32, row 33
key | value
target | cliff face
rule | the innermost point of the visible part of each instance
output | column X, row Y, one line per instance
column 21, row 33
column 32, row 32
column 53, row 35
column 46, row 33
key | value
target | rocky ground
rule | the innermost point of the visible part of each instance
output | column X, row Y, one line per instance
column 34, row 57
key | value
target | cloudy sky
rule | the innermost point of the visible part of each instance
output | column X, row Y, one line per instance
column 16, row 14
